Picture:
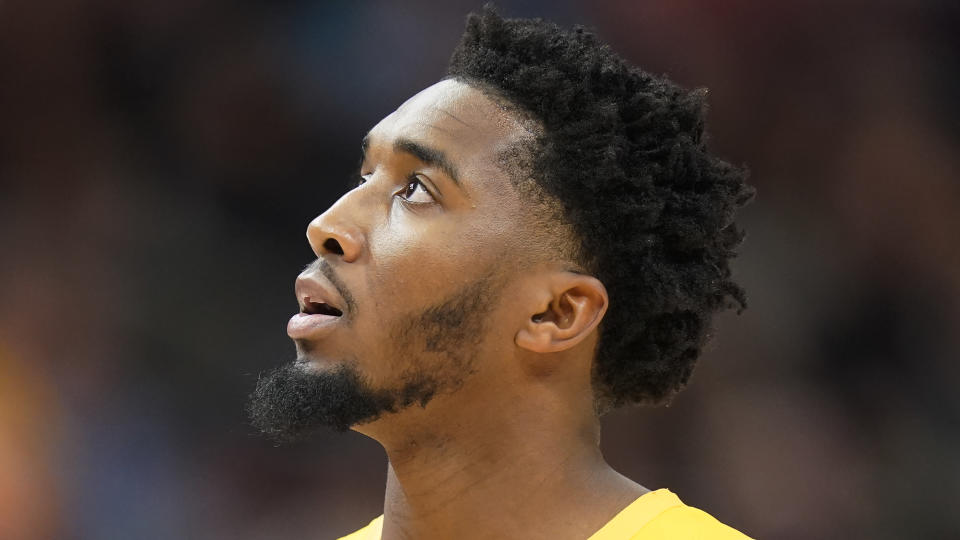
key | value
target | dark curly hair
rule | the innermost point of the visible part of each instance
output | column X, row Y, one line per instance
column 619, row 159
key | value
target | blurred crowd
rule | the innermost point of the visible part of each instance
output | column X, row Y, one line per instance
column 159, row 163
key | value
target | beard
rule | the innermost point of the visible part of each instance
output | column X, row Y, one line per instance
column 290, row 401
column 439, row 344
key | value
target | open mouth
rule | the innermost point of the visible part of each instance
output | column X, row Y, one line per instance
column 320, row 308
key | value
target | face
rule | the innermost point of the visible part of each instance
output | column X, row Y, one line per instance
column 420, row 257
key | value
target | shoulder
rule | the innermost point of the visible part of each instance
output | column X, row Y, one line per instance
column 661, row 514
column 370, row 532
column 682, row 522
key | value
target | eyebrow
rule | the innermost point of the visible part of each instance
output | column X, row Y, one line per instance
column 424, row 153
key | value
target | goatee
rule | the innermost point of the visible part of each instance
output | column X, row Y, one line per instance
column 292, row 400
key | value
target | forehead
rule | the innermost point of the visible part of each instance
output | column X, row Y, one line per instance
column 455, row 118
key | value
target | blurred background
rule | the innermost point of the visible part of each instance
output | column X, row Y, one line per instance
column 159, row 163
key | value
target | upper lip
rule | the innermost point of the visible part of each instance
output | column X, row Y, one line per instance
column 312, row 289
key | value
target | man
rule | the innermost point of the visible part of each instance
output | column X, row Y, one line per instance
column 532, row 241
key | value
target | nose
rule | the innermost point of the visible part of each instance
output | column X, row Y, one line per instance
column 328, row 234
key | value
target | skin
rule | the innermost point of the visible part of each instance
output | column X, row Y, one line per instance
column 512, row 449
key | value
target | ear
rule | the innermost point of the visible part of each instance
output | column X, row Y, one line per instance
column 571, row 306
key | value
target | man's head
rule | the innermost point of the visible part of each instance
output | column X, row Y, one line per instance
column 545, row 221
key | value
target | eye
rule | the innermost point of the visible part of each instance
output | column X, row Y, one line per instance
column 413, row 187
column 355, row 182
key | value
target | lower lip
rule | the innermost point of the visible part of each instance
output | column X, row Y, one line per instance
column 310, row 326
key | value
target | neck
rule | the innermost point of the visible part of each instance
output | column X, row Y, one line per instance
column 524, row 475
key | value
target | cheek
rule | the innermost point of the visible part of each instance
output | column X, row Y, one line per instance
column 400, row 268
column 421, row 260
column 417, row 260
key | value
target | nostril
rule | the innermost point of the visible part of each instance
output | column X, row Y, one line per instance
column 333, row 246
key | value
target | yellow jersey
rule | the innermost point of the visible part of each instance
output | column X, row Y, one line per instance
column 652, row 516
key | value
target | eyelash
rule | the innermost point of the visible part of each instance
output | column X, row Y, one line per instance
column 410, row 179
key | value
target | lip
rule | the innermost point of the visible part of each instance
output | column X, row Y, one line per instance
column 311, row 288
column 311, row 326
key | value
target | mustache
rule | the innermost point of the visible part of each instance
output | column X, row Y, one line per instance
column 326, row 270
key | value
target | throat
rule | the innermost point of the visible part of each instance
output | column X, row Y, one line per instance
column 520, row 497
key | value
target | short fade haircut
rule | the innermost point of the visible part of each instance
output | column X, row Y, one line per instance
column 620, row 161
